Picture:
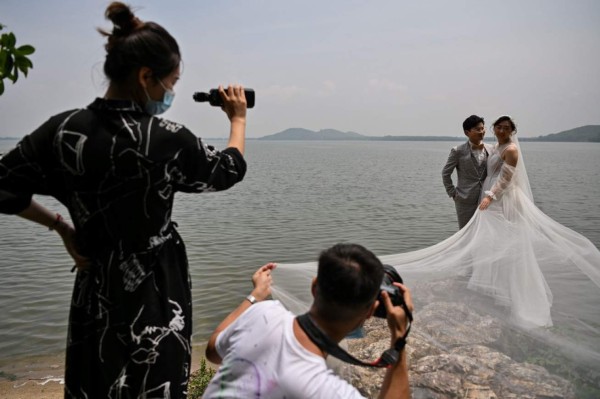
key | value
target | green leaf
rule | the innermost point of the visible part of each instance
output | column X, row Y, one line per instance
column 23, row 64
column 22, row 61
column 15, row 76
column 8, row 65
column 25, row 50
column 11, row 40
column 13, row 60
column 3, row 69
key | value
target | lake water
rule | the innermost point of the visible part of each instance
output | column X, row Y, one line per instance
column 297, row 199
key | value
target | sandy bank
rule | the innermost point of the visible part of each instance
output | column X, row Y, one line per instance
column 42, row 377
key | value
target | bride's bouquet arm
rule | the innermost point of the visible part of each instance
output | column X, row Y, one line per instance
column 508, row 170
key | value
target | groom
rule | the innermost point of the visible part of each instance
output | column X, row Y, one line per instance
column 470, row 162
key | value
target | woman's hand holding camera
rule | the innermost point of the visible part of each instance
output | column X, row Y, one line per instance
column 234, row 102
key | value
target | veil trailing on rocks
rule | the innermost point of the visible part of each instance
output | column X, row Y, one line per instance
column 512, row 279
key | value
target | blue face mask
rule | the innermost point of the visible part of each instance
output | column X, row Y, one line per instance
column 154, row 107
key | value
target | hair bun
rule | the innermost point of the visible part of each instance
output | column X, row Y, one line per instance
column 134, row 43
column 123, row 19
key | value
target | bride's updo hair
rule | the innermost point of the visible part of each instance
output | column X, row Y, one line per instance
column 133, row 44
column 509, row 119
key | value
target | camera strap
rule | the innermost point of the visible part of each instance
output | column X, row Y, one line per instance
column 326, row 344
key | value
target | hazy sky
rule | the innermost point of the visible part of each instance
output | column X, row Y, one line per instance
column 372, row 67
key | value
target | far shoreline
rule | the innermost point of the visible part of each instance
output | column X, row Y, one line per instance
column 490, row 140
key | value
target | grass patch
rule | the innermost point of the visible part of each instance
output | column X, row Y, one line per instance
column 199, row 380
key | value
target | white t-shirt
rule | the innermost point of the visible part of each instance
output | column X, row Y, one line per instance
column 263, row 359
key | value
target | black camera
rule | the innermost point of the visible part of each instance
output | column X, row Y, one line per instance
column 214, row 99
column 390, row 276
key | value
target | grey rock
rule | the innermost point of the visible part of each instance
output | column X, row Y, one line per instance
column 450, row 355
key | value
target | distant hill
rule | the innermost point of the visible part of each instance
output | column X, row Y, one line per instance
column 305, row 134
column 589, row 133
column 332, row 134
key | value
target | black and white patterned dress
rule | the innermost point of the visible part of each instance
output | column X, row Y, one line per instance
column 117, row 170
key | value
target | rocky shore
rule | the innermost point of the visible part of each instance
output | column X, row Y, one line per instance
column 454, row 361
column 453, row 352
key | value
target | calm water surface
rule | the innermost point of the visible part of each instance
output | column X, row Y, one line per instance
column 297, row 198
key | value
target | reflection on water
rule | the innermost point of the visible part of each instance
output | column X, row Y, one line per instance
column 297, row 198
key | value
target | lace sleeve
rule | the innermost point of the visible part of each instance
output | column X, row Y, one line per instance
column 505, row 178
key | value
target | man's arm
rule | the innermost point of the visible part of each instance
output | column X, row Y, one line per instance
column 262, row 289
column 451, row 164
column 395, row 383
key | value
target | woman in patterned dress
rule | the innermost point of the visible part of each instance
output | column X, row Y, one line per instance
column 116, row 167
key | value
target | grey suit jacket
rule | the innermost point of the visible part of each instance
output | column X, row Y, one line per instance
column 470, row 174
column 470, row 180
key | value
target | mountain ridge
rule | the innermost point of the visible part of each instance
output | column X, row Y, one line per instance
column 586, row 133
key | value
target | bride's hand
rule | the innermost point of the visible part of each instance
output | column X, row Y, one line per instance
column 485, row 202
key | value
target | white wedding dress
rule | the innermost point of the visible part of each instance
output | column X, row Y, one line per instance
column 510, row 261
column 514, row 277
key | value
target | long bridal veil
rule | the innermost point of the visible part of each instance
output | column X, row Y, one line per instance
column 537, row 278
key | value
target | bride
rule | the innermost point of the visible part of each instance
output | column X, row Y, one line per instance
column 511, row 261
column 516, row 279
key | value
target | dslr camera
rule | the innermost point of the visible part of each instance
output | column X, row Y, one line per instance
column 390, row 276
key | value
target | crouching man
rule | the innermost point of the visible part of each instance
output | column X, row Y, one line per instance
column 264, row 352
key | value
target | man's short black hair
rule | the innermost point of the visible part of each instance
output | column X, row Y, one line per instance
column 349, row 277
column 471, row 122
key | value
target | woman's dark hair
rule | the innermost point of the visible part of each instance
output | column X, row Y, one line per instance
column 133, row 44
column 504, row 118
column 471, row 122
column 349, row 277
